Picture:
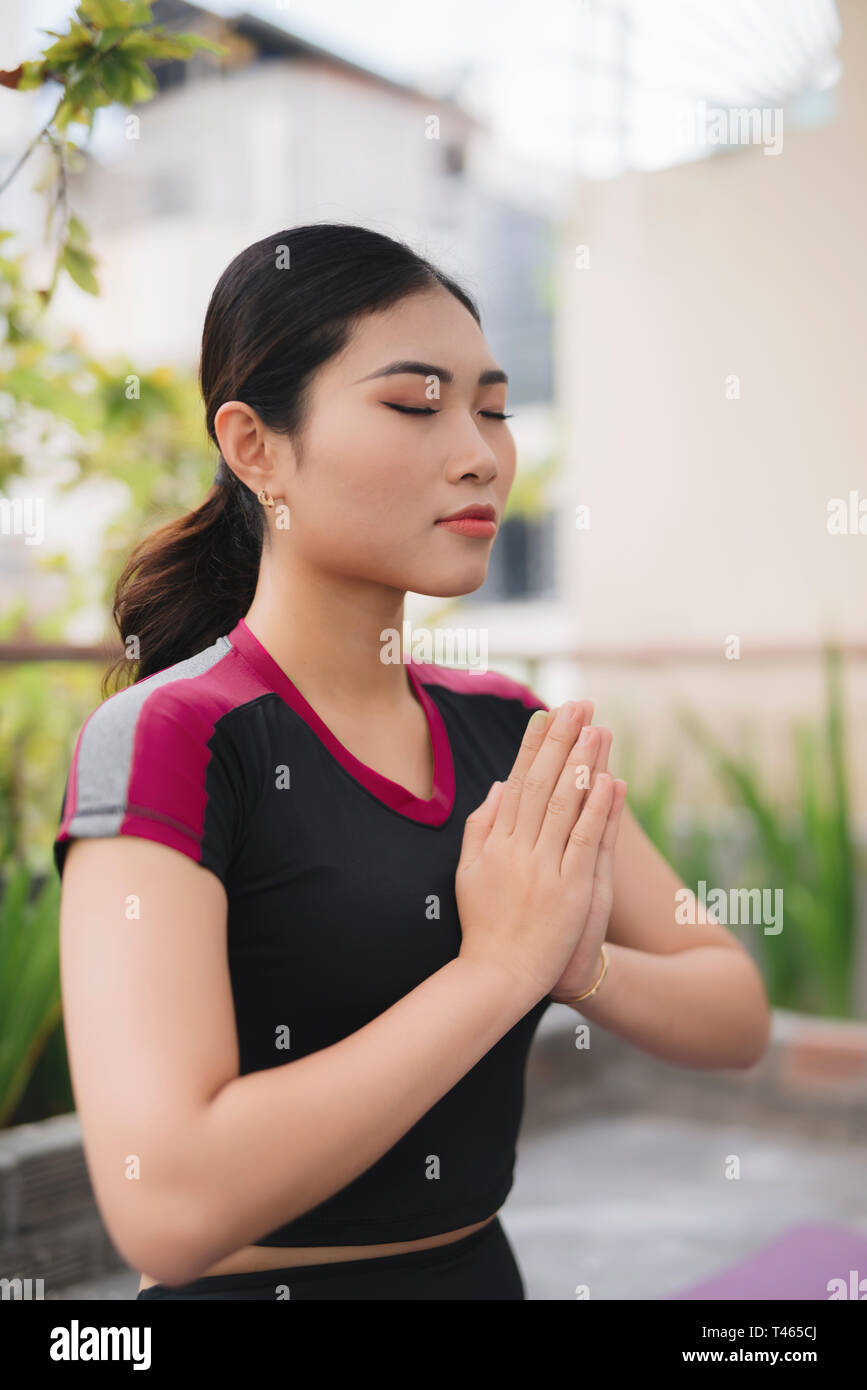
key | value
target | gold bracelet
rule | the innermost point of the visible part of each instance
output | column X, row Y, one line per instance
column 588, row 992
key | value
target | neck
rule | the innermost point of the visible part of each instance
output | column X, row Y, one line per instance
column 325, row 633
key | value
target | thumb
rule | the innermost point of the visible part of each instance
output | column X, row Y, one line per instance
column 478, row 824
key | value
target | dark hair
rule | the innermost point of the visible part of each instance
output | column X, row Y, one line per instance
column 266, row 331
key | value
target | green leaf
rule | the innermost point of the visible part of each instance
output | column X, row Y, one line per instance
column 116, row 78
column 109, row 38
column 32, row 75
column 77, row 234
column 78, row 43
column 80, row 266
column 115, row 12
column 83, row 92
column 184, row 45
column 30, row 1000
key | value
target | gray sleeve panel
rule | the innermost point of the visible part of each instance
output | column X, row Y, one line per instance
column 104, row 762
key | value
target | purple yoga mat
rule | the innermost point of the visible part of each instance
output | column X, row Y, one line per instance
column 802, row 1263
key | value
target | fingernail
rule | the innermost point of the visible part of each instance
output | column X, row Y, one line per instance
column 566, row 712
column 538, row 718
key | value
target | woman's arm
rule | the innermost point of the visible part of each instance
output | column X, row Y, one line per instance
column 688, row 993
column 188, row 1160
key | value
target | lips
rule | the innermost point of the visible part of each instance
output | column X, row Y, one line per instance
column 478, row 511
column 478, row 520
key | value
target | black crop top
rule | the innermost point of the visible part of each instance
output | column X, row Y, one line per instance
column 340, row 887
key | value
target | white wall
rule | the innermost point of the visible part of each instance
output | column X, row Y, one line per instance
column 708, row 515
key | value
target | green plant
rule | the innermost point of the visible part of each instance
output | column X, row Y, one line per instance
column 530, row 492
column 42, row 707
column 809, row 853
column 49, row 1089
column 115, row 422
column 101, row 59
column 30, row 1005
column 652, row 799
column 111, row 421
column 803, row 846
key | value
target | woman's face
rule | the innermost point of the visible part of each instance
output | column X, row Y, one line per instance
column 374, row 481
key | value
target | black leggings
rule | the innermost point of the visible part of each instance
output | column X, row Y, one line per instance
column 481, row 1265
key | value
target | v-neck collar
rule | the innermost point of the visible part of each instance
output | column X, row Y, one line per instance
column 432, row 811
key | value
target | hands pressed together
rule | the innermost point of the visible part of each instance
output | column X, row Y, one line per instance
column 534, row 883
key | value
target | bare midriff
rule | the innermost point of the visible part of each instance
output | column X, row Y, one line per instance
column 253, row 1257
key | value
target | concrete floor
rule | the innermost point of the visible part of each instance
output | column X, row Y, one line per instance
column 122, row 1285
column 638, row 1206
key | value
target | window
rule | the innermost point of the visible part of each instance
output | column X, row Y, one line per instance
column 522, row 562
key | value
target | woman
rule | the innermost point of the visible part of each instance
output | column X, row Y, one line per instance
column 315, row 900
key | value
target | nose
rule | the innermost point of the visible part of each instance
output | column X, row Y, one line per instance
column 476, row 459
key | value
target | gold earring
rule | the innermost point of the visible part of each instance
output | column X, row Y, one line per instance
column 265, row 498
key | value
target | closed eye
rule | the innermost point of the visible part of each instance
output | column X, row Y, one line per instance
column 425, row 410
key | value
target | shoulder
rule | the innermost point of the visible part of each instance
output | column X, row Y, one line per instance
column 490, row 685
column 148, row 760
column 175, row 709
column 154, row 718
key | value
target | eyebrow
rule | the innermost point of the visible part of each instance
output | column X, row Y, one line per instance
column 491, row 377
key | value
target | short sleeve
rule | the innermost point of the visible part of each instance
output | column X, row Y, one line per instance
column 152, row 763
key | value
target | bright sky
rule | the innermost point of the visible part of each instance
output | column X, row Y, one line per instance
column 585, row 86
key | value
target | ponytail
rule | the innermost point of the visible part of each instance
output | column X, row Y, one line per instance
column 190, row 581
column 267, row 329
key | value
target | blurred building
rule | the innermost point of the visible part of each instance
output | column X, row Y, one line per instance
column 281, row 132
column 711, row 359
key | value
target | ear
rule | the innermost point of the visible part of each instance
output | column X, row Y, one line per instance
column 244, row 444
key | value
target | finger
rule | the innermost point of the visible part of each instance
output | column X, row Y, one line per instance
column 591, row 769
column 605, row 740
column 582, row 846
column 595, row 760
column 605, row 857
column 573, row 787
column 478, row 825
column 533, row 739
column 543, row 773
column 588, row 771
